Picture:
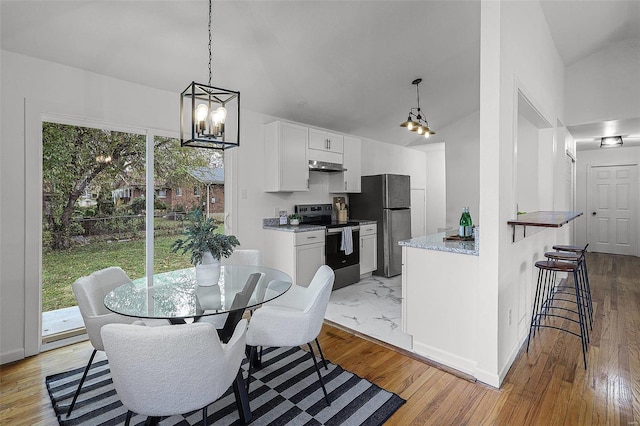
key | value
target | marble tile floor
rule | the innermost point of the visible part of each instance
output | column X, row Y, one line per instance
column 372, row 306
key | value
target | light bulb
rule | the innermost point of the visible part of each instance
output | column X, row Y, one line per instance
column 219, row 115
column 201, row 112
column 222, row 113
column 426, row 135
column 410, row 125
column 420, row 130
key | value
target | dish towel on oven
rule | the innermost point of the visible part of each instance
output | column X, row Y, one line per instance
column 347, row 240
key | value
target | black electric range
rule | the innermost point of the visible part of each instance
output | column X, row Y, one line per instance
column 342, row 255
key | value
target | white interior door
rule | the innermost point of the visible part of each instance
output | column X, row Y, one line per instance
column 613, row 209
column 418, row 210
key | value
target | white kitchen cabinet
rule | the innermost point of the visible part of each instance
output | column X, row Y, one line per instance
column 309, row 258
column 348, row 181
column 368, row 248
column 325, row 141
column 285, row 157
column 299, row 254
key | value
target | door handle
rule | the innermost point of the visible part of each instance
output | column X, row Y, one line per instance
column 593, row 214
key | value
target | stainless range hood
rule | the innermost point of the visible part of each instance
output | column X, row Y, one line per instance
column 323, row 166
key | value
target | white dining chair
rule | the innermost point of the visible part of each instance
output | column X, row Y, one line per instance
column 293, row 319
column 250, row 257
column 90, row 292
column 173, row 369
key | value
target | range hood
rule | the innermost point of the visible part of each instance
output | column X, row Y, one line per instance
column 323, row 166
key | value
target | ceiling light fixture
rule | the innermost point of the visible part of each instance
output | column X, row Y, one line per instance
column 416, row 121
column 611, row 141
column 209, row 116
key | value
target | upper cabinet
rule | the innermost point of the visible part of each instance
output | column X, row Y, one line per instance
column 285, row 157
column 288, row 148
column 325, row 141
column 348, row 181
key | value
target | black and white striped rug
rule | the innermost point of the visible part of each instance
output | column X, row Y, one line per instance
column 285, row 391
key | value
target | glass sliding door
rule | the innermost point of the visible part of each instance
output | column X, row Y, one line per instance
column 186, row 179
column 93, row 214
column 95, row 210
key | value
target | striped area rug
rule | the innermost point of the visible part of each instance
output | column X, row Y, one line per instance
column 284, row 391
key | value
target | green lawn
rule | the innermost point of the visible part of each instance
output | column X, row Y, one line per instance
column 61, row 268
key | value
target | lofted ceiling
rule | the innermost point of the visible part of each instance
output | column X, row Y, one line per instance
column 342, row 65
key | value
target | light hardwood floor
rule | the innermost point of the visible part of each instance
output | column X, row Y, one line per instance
column 547, row 386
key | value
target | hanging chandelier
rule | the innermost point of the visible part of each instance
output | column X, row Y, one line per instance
column 209, row 116
column 416, row 121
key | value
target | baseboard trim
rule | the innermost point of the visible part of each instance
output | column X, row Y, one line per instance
column 464, row 365
column 410, row 354
column 16, row 355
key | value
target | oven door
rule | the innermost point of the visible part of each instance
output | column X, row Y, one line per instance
column 335, row 257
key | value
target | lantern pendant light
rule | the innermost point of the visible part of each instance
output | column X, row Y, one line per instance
column 416, row 121
column 209, row 116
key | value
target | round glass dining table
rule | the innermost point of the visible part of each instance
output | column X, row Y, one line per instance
column 176, row 295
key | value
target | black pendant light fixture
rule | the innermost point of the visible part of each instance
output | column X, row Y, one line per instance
column 209, row 116
column 416, row 121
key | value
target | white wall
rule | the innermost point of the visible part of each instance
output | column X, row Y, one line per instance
column 598, row 157
column 32, row 87
column 462, row 146
column 527, row 166
column 436, row 188
column 604, row 86
column 517, row 54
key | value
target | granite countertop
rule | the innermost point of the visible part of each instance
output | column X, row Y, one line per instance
column 435, row 242
column 296, row 228
column 273, row 224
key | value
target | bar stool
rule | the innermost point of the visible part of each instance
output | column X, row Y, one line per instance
column 550, row 302
column 585, row 294
column 582, row 251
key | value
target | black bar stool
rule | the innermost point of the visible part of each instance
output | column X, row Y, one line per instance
column 582, row 251
column 585, row 295
column 552, row 302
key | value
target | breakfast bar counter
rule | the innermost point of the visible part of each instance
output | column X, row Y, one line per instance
column 439, row 285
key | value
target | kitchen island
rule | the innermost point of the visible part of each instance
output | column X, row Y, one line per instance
column 439, row 284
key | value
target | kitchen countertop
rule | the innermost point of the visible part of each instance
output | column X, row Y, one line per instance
column 272, row 224
column 435, row 242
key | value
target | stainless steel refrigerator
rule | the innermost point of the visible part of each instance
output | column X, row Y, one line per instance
column 387, row 200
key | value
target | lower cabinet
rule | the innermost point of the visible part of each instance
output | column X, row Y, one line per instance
column 368, row 248
column 298, row 254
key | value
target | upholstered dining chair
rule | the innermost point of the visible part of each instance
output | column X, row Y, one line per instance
column 173, row 369
column 90, row 292
column 293, row 319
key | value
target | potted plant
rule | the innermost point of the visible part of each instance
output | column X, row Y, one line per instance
column 294, row 219
column 207, row 247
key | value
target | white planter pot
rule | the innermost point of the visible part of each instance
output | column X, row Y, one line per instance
column 208, row 274
column 207, row 259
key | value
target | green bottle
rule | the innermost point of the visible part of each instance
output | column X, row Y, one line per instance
column 468, row 229
column 465, row 229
